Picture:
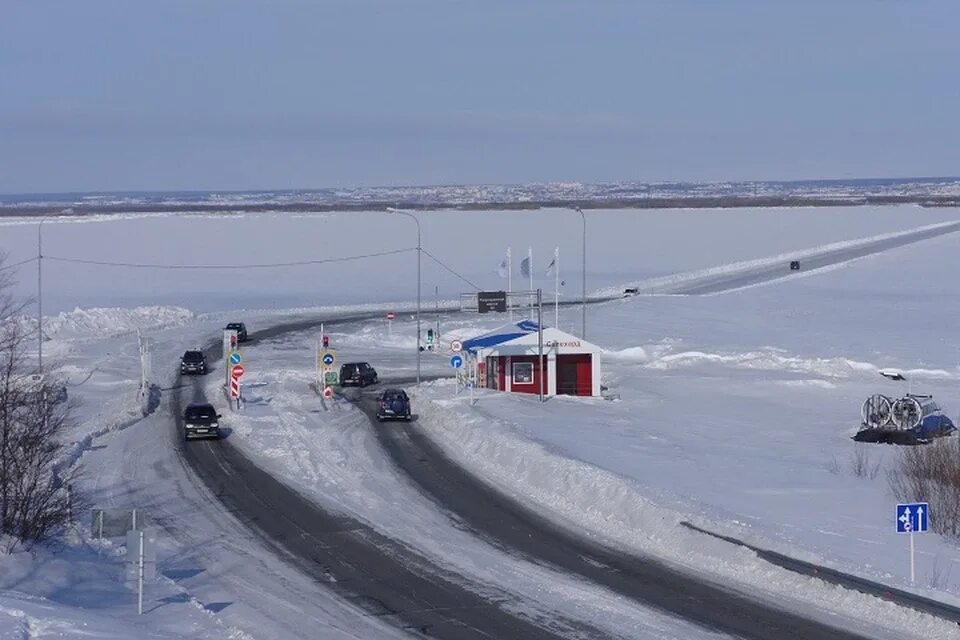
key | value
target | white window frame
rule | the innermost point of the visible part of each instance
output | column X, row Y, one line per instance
column 517, row 365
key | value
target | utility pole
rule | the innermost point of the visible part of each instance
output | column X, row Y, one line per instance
column 40, row 295
column 583, row 331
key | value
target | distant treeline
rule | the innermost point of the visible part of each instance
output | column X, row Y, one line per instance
column 688, row 202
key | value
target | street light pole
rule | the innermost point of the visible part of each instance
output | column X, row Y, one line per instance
column 583, row 330
column 419, row 260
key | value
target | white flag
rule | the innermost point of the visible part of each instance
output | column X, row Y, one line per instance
column 525, row 267
column 551, row 268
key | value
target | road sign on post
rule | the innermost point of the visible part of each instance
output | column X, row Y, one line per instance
column 236, row 358
column 237, row 371
column 488, row 301
column 229, row 347
column 456, row 346
column 391, row 315
column 328, row 392
column 913, row 517
column 456, row 361
column 328, row 358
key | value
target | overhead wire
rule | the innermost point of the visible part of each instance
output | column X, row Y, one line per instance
column 267, row 265
column 444, row 265
column 17, row 264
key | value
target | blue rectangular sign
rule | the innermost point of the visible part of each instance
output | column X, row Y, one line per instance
column 913, row 517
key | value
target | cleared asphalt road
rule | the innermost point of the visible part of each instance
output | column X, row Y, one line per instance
column 507, row 524
column 381, row 577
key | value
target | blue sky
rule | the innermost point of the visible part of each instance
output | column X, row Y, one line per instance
column 245, row 94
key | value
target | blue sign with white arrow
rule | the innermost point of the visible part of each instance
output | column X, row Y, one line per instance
column 328, row 359
column 456, row 362
column 235, row 357
column 913, row 517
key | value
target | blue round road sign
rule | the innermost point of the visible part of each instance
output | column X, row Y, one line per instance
column 456, row 362
column 328, row 359
column 235, row 357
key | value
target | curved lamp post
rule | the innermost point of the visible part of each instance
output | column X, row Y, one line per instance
column 419, row 252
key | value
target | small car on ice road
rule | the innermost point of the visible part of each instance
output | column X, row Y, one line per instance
column 393, row 404
column 193, row 361
column 201, row 421
column 241, row 330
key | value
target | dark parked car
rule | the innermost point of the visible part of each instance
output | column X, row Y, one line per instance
column 357, row 373
column 794, row 265
column 393, row 405
column 193, row 361
column 241, row 330
column 201, row 421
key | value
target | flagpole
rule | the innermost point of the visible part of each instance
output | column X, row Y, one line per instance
column 510, row 284
column 530, row 273
column 556, row 287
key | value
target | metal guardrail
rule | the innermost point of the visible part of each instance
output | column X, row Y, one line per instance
column 846, row 580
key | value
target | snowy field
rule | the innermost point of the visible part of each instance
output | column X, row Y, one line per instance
column 734, row 410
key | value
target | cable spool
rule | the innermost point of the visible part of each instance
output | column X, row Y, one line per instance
column 876, row 411
column 907, row 413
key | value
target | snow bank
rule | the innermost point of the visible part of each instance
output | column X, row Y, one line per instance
column 104, row 322
column 775, row 360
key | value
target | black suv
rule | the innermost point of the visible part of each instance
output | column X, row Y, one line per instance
column 394, row 405
column 357, row 373
column 241, row 330
column 201, row 421
column 193, row 361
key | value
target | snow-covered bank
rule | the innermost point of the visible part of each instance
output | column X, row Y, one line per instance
column 625, row 513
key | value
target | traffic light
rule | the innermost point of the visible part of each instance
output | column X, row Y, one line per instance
column 326, row 341
column 430, row 336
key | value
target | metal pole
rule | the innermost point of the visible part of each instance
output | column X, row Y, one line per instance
column 510, row 284
column 419, row 261
column 540, row 338
column 583, row 331
column 556, row 287
column 140, row 579
column 911, row 557
column 40, row 295
column 530, row 272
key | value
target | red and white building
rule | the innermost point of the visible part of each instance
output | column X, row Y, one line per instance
column 506, row 360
